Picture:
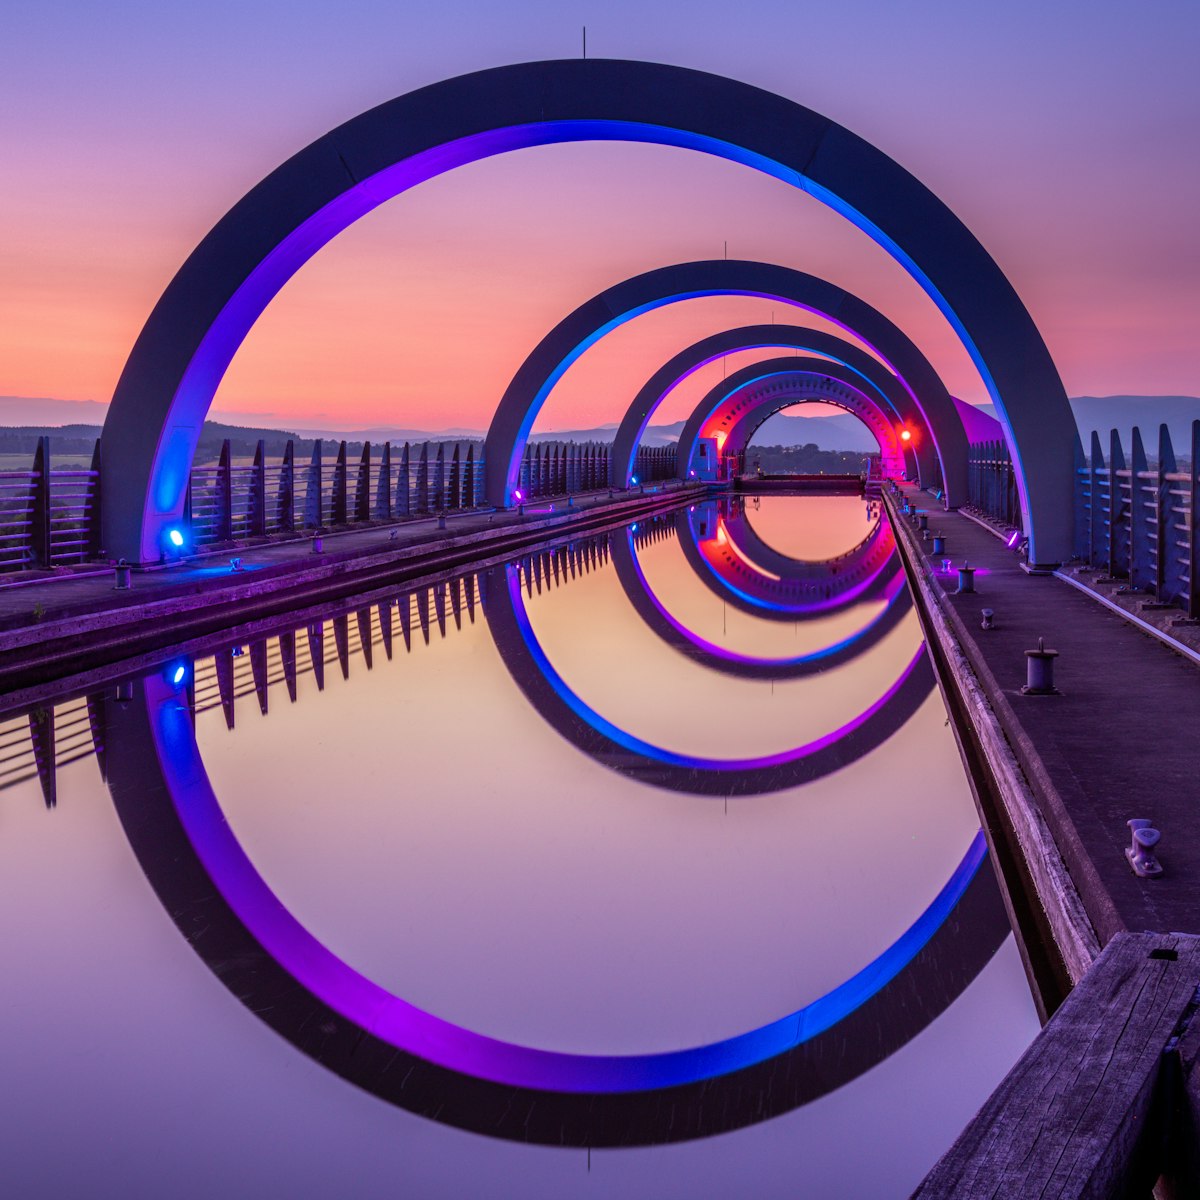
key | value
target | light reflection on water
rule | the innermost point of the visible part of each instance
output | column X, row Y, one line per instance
column 424, row 821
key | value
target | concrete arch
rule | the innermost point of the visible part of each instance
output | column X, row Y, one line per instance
column 546, row 363
column 734, row 408
column 755, row 337
column 169, row 380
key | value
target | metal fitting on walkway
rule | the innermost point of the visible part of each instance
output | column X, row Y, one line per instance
column 939, row 543
column 235, row 565
column 441, row 520
column 123, row 575
column 1141, row 852
column 318, row 545
column 966, row 579
column 923, row 519
column 1039, row 671
column 989, row 619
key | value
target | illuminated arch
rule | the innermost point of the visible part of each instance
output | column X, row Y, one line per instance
column 655, row 390
column 175, row 366
column 546, row 363
column 734, row 408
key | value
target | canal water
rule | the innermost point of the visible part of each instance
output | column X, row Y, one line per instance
column 643, row 865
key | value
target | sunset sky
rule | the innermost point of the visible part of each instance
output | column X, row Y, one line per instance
column 1063, row 134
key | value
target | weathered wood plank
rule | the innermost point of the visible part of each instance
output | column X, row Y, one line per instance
column 1082, row 1115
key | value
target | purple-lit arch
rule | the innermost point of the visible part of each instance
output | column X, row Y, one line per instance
column 872, row 375
column 937, row 417
column 734, row 408
column 410, row 1057
column 183, row 351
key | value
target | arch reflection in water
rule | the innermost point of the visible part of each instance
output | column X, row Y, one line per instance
column 274, row 965
column 727, row 553
column 897, row 603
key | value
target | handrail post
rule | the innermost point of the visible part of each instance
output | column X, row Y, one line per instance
column 313, row 506
column 39, row 531
column 258, row 491
column 403, row 482
column 225, row 494
column 1164, row 535
column 383, row 485
column 286, row 503
column 338, row 500
column 362, row 487
column 94, row 548
column 1193, row 608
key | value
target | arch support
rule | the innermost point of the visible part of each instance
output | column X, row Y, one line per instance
column 176, row 364
column 872, row 373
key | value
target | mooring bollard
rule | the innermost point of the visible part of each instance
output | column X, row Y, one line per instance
column 1141, row 853
column 939, row 543
column 924, row 519
column 945, row 566
column 441, row 520
column 1039, row 671
column 966, row 579
column 123, row 575
column 318, row 546
column 989, row 619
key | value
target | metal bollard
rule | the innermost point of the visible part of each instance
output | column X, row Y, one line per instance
column 441, row 520
column 966, row 579
column 989, row 619
column 939, row 543
column 318, row 546
column 1141, row 853
column 945, row 566
column 923, row 520
column 123, row 575
column 1039, row 671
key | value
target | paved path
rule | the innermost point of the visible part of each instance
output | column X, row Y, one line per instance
column 1121, row 741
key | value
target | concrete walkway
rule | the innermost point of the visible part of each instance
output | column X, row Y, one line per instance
column 1122, row 740
column 57, row 624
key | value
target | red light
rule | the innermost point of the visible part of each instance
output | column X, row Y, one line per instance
column 905, row 435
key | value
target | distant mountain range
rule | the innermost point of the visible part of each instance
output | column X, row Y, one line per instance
column 1101, row 413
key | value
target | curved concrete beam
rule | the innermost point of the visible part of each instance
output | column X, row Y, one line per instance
column 197, row 325
column 760, row 337
column 736, row 406
column 545, row 365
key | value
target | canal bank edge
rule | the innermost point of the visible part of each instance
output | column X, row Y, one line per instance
column 1041, row 895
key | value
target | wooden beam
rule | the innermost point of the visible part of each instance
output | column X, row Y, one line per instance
column 1086, row 1112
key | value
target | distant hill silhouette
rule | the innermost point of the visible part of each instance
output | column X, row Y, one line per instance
column 842, row 432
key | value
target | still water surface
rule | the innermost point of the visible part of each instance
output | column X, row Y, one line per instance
column 510, row 802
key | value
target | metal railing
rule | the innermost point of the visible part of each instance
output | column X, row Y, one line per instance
column 992, row 482
column 1137, row 521
column 50, row 516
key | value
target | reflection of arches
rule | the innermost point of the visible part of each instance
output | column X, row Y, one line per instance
column 753, row 337
column 734, row 408
column 622, row 751
column 175, row 366
column 410, row 1058
column 546, row 363
column 727, row 554
column 641, row 596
